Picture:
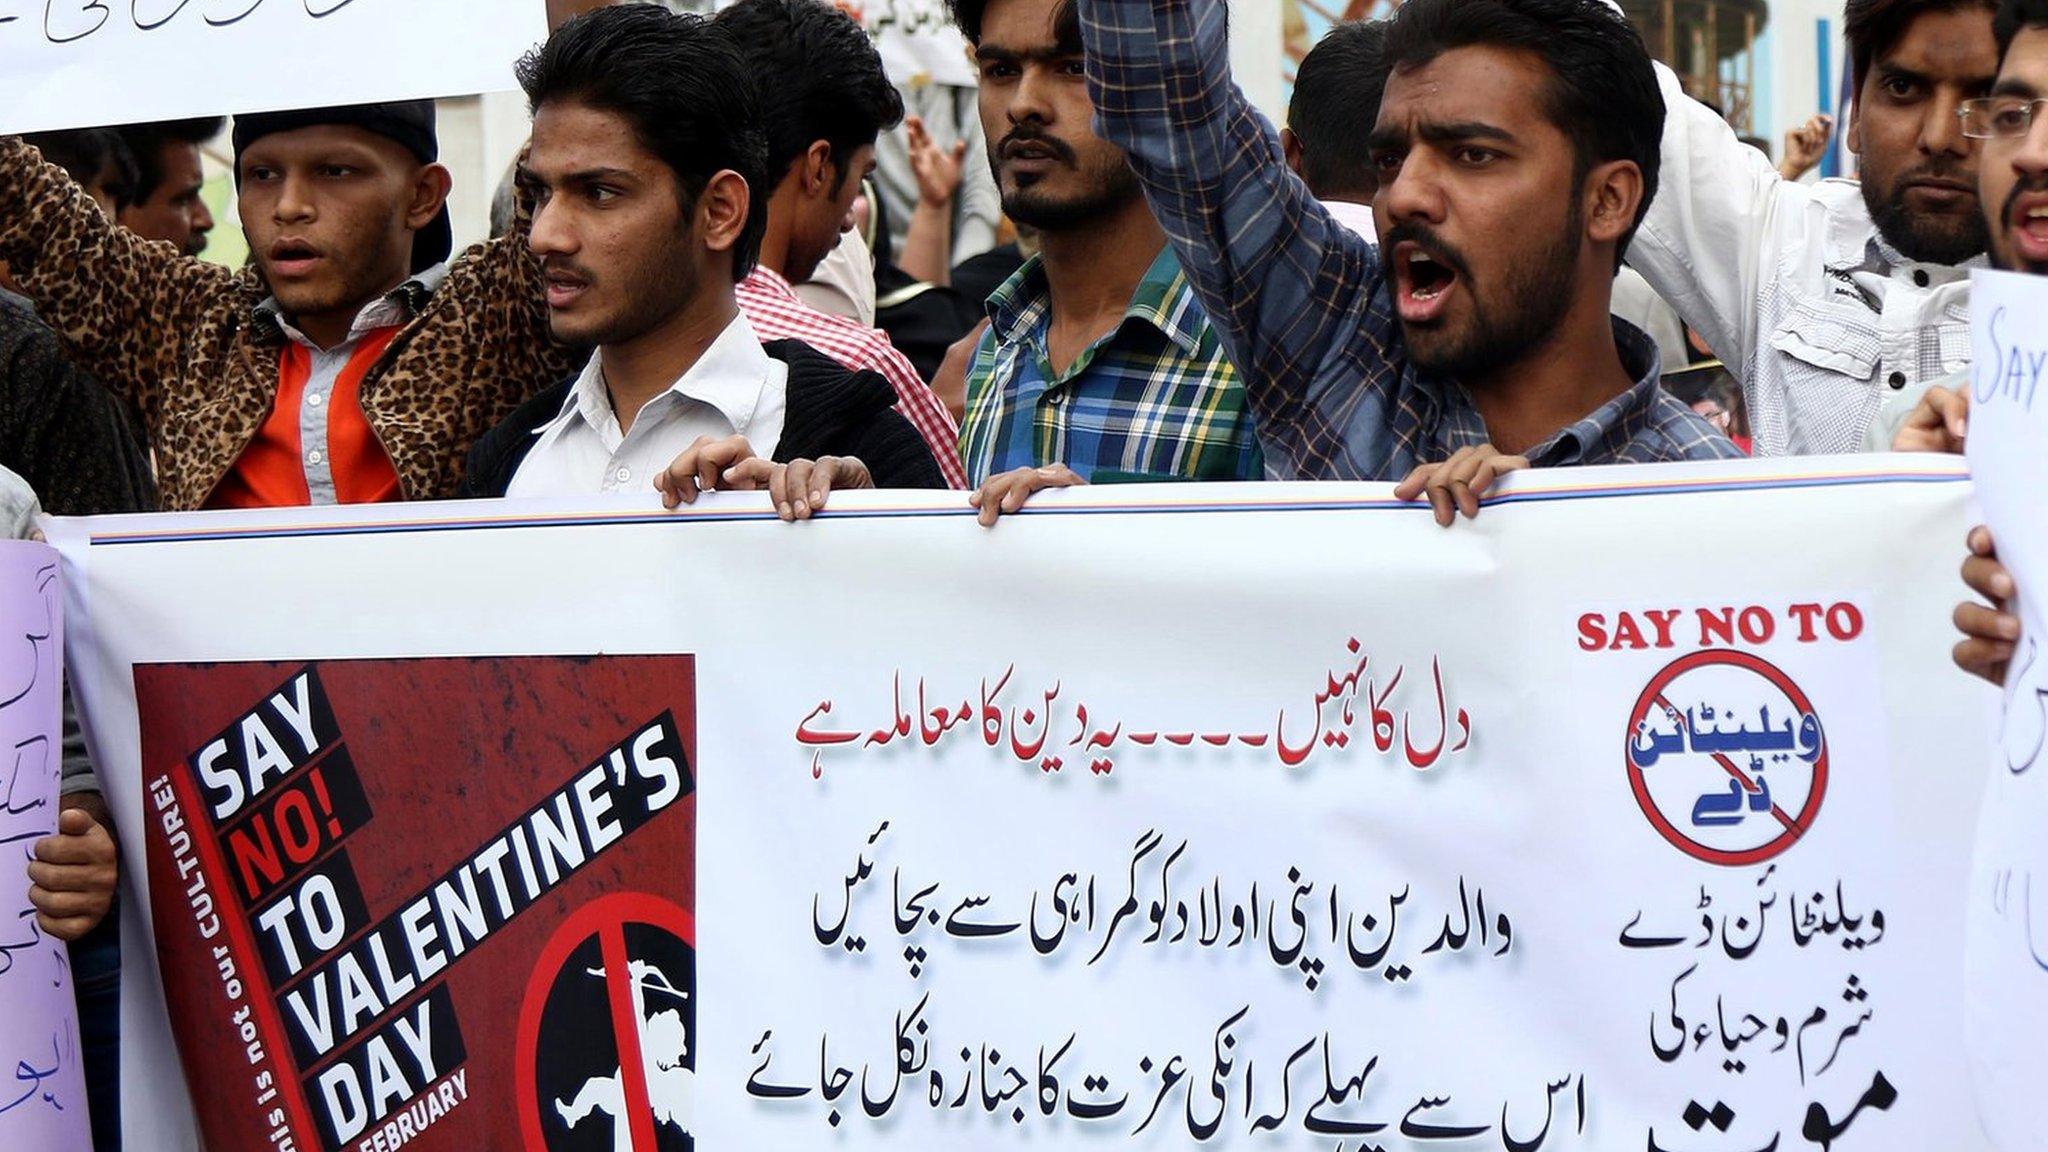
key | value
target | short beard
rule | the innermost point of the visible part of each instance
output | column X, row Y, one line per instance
column 1540, row 291
column 1115, row 186
column 1947, row 240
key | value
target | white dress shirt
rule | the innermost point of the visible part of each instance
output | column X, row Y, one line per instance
column 1793, row 287
column 734, row 388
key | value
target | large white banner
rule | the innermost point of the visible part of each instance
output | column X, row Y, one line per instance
column 1635, row 814
column 83, row 63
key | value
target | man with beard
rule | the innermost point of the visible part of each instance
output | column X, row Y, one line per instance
column 651, row 167
column 1826, row 299
column 1516, row 147
column 1098, row 363
column 166, row 203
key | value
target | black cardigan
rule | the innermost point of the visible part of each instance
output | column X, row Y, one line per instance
column 830, row 411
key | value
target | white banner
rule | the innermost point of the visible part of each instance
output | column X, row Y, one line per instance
column 1249, row 816
column 2008, row 937
column 85, row 63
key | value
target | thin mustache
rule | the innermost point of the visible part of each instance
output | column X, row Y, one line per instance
column 2031, row 186
column 1439, row 251
column 1057, row 147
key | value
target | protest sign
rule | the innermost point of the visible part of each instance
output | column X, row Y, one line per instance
column 1243, row 816
column 84, row 63
column 42, row 1083
column 2008, row 937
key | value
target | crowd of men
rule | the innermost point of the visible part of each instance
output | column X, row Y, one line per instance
column 697, row 286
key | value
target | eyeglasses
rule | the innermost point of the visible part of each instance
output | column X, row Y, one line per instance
column 1999, row 117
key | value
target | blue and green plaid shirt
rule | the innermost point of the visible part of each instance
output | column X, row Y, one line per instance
column 1302, row 302
column 1154, row 399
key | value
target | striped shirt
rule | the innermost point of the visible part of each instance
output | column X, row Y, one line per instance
column 1156, row 398
column 777, row 313
column 1303, row 303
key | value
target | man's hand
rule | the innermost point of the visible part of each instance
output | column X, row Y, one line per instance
column 1989, row 634
column 1805, row 146
column 938, row 170
column 1008, row 492
column 1939, row 423
column 704, row 466
column 72, row 878
column 800, row 488
column 1456, row 485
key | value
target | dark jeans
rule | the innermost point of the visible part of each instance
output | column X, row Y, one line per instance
column 96, row 975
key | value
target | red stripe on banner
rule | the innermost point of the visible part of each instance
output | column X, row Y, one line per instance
column 261, row 996
column 618, row 981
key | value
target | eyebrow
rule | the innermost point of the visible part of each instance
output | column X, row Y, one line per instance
column 580, row 176
column 2016, row 87
column 999, row 54
column 1451, row 133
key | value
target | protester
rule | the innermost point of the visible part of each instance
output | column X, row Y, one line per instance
column 170, row 175
column 647, row 154
column 1821, row 298
column 1337, row 91
column 822, row 114
column 99, row 159
column 1516, row 148
column 348, row 364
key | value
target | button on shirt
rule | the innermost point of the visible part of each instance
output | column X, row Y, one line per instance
column 1793, row 286
column 735, row 388
column 1155, row 398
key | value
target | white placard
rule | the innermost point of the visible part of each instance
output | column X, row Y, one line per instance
column 2008, row 940
column 86, row 63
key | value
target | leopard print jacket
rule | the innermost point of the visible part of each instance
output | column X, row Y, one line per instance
column 181, row 339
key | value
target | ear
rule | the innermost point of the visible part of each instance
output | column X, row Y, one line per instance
column 1613, row 194
column 1290, row 146
column 1852, row 128
column 429, row 193
column 818, row 171
column 722, row 210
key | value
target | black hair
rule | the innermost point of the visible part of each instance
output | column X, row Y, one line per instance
column 1336, row 102
column 828, row 80
column 146, row 144
column 683, row 86
column 1602, row 92
column 2014, row 15
column 84, row 153
column 1875, row 27
column 1066, row 23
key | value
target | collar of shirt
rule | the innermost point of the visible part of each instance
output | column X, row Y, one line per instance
column 730, row 377
column 395, row 308
column 1609, row 426
column 1022, row 306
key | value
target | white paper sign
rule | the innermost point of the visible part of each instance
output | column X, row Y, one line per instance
column 2008, row 941
column 42, row 1082
column 85, row 63
column 1260, row 816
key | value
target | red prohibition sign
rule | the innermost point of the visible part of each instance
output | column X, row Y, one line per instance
column 1795, row 826
column 605, row 918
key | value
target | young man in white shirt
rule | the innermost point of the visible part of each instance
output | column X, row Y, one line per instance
column 1823, row 299
column 648, row 161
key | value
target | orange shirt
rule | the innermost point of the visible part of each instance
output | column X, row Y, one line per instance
column 278, row 469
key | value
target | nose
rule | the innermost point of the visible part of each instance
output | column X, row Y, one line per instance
column 202, row 218
column 1941, row 128
column 1415, row 191
column 550, row 234
column 294, row 199
column 2030, row 160
column 1030, row 96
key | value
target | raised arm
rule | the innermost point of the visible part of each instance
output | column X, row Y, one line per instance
column 1707, row 242
column 123, row 305
column 1287, row 287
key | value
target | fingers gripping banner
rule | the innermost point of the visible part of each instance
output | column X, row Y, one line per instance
column 1627, row 816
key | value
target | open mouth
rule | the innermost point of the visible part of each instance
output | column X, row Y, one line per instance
column 2029, row 221
column 563, row 289
column 1423, row 281
column 293, row 258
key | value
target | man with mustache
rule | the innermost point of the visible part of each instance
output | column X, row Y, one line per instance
column 1098, row 363
column 347, row 364
column 650, row 164
column 1826, row 299
column 1516, row 147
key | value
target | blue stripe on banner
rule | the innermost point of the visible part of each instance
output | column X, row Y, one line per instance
column 1667, row 488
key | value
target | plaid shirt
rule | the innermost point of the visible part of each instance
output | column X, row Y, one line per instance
column 777, row 313
column 1155, row 398
column 1301, row 302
